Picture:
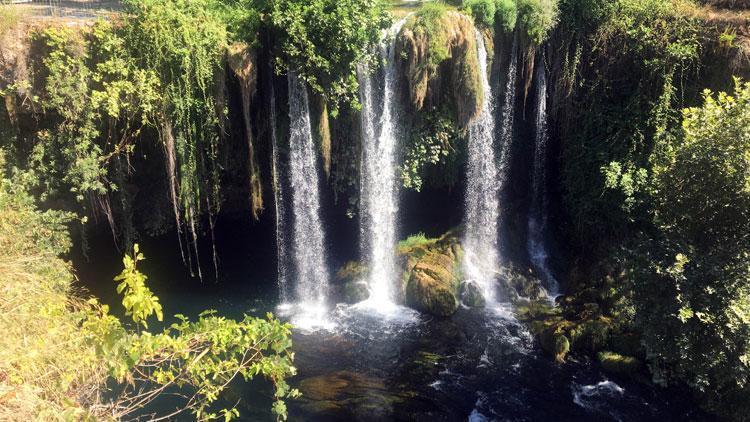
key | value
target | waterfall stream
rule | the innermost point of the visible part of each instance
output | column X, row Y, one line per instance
column 536, row 244
column 482, row 203
column 308, row 243
column 508, row 111
column 379, row 184
column 279, row 205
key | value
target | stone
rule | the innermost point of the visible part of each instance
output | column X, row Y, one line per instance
column 431, row 281
column 354, row 292
column 471, row 295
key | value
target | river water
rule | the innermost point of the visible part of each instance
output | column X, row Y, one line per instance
column 367, row 366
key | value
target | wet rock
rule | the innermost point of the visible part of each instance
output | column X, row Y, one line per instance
column 471, row 295
column 515, row 284
column 339, row 385
column 431, row 274
column 350, row 284
column 562, row 347
column 354, row 292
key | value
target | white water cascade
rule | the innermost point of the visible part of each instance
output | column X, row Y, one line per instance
column 482, row 203
column 379, row 183
column 279, row 205
column 536, row 245
column 308, row 250
column 508, row 112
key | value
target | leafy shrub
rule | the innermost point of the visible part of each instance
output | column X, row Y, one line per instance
column 506, row 14
column 325, row 40
column 483, row 11
column 536, row 18
column 692, row 277
column 60, row 354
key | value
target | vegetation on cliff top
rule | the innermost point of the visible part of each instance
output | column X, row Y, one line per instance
column 324, row 41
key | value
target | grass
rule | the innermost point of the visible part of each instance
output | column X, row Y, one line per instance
column 10, row 17
column 414, row 241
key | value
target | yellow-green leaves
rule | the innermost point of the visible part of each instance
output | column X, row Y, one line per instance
column 139, row 302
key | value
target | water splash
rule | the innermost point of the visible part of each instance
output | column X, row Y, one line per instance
column 379, row 184
column 280, row 207
column 482, row 203
column 308, row 239
column 536, row 245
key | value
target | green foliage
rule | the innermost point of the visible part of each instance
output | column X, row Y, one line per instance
column 323, row 41
column 59, row 354
column 627, row 70
column 413, row 241
column 186, row 58
column 506, row 14
column 432, row 145
column 139, row 302
column 536, row 18
column 691, row 276
column 10, row 17
column 483, row 11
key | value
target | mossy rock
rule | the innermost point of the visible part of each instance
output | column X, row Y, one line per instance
column 431, row 275
column 617, row 364
column 471, row 295
column 516, row 285
column 561, row 347
column 351, row 271
column 355, row 291
column 591, row 335
column 439, row 51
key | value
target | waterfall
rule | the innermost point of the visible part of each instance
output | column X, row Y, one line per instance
column 482, row 203
column 308, row 241
column 280, row 207
column 379, row 184
column 508, row 111
column 538, row 213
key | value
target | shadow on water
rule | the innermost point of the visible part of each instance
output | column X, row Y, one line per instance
column 403, row 366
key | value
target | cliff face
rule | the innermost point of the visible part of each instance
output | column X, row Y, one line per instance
column 439, row 59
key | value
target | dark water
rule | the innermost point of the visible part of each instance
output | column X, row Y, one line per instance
column 369, row 366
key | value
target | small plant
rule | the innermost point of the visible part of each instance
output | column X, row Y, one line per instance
column 727, row 38
column 139, row 302
column 413, row 241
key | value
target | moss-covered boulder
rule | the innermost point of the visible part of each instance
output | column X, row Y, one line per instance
column 354, row 292
column 350, row 283
column 515, row 284
column 471, row 295
column 431, row 273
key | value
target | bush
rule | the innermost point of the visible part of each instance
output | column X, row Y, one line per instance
column 537, row 18
column 60, row 354
column 325, row 40
column 483, row 12
column 506, row 14
column 692, row 281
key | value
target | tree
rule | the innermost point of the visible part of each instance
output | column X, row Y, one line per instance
column 324, row 41
column 692, row 278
